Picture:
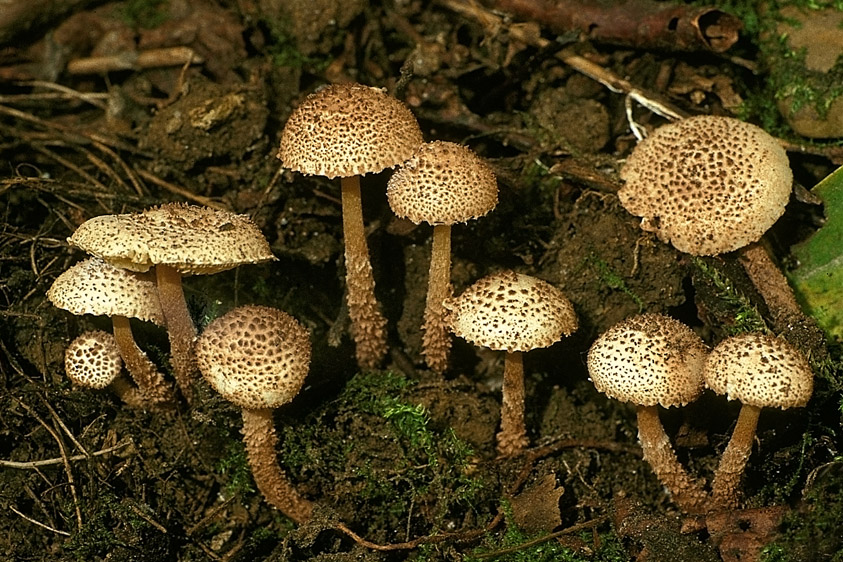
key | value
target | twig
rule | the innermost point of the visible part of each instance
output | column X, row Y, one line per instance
column 139, row 512
column 570, row 530
column 34, row 522
column 202, row 200
column 66, row 430
column 205, row 520
column 74, row 458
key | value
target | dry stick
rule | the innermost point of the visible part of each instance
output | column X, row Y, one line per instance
column 64, row 428
column 92, row 98
column 48, row 462
column 436, row 340
column 643, row 24
column 34, row 522
column 771, row 284
column 538, row 540
column 206, row 201
column 368, row 326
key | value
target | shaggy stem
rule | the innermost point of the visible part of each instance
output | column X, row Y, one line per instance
column 180, row 328
column 151, row 384
column 436, row 342
column 261, row 440
column 512, row 437
column 687, row 493
column 368, row 325
column 727, row 477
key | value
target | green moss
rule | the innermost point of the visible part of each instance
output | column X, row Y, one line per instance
column 235, row 467
column 145, row 14
column 745, row 317
column 612, row 278
column 283, row 51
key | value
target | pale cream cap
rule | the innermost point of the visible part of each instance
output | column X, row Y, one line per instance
column 255, row 356
column 192, row 239
column 707, row 184
column 648, row 359
column 345, row 130
column 442, row 183
column 512, row 312
column 760, row 370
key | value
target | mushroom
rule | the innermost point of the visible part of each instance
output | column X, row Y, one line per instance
column 442, row 184
column 512, row 312
column 759, row 370
column 258, row 357
column 347, row 130
column 175, row 239
column 93, row 360
column 94, row 287
column 652, row 360
column 710, row 185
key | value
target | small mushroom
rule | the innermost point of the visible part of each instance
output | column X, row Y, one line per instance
column 94, row 287
column 652, row 360
column 711, row 185
column 442, row 184
column 258, row 357
column 93, row 360
column 175, row 239
column 511, row 312
column 759, row 370
column 348, row 130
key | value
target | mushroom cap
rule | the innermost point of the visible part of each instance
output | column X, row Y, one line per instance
column 347, row 130
column 92, row 286
column 192, row 239
column 759, row 370
column 512, row 312
column 707, row 184
column 442, row 183
column 93, row 360
column 255, row 356
column 648, row 359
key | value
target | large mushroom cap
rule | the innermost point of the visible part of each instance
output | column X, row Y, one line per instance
column 707, row 184
column 255, row 356
column 192, row 239
column 93, row 360
column 94, row 287
column 648, row 359
column 512, row 312
column 442, row 183
column 759, row 370
column 347, row 130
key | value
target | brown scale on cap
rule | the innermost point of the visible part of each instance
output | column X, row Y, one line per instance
column 92, row 360
column 258, row 357
column 94, row 287
column 255, row 356
column 442, row 184
column 648, row 359
column 347, row 130
column 175, row 239
column 512, row 312
column 759, row 370
column 652, row 359
column 707, row 184
column 193, row 240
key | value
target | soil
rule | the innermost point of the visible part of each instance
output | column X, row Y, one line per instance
column 401, row 456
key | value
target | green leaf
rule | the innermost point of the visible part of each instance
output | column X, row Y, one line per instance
column 818, row 281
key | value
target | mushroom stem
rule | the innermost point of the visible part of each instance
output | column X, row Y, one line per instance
column 180, row 328
column 687, row 493
column 512, row 437
column 727, row 477
column 260, row 439
column 130, row 395
column 436, row 342
column 771, row 284
column 368, row 326
column 151, row 384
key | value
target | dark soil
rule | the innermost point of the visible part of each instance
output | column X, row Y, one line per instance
column 402, row 457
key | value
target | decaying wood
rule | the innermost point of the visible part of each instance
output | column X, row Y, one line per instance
column 642, row 24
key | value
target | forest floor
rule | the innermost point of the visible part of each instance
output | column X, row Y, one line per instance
column 99, row 115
